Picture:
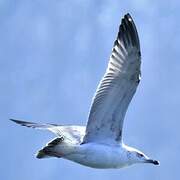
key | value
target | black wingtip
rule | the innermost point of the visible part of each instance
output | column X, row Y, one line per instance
column 22, row 123
column 16, row 121
column 127, row 31
column 128, row 16
column 32, row 124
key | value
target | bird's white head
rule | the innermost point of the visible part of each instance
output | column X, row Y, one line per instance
column 136, row 156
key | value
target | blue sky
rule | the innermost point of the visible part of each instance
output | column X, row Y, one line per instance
column 52, row 56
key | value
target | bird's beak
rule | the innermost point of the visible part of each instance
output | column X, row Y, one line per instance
column 152, row 161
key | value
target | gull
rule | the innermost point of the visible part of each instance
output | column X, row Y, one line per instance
column 99, row 144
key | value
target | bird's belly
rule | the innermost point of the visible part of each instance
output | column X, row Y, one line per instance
column 97, row 156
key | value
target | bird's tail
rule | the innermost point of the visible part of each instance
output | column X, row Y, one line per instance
column 49, row 149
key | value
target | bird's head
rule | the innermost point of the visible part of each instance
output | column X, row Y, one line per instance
column 136, row 156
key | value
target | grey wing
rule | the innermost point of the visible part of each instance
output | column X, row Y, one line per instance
column 117, row 87
column 72, row 134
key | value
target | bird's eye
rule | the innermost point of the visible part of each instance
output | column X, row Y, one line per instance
column 139, row 155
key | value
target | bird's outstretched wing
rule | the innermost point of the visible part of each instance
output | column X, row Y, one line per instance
column 72, row 134
column 117, row 87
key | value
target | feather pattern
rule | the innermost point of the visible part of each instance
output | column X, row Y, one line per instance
column 71, row 134
column 117, row 87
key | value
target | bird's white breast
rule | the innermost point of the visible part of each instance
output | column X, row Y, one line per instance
column 99, row 156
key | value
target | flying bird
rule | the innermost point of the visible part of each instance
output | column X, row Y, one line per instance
column 99, row 144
